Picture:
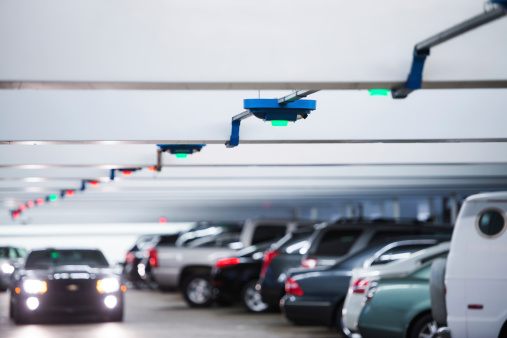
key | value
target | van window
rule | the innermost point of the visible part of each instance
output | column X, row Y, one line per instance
column 264, row 233
column 491, row 222
column 337, row 242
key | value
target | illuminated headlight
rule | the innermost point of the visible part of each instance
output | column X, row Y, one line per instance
column 108, row 285
column 110, row 301
column 34, row 286
column 7, row 268
column 32, row 303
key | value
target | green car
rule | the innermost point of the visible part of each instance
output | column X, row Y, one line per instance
column 399, row 308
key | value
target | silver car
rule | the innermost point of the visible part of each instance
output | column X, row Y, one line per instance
column 10, row 258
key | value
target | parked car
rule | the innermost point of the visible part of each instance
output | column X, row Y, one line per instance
column 10, row 258
column 137, row 273
column 364, row 276
column 54, row 282
column 317, row 295
column 328, row 245
column 476, row 271
column 189, row 268
column 399, row 308
column 234, row 278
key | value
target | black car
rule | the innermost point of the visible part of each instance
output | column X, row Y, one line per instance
column 56, row 282
column 329, row 244
column 235, row 278
column 317, row 295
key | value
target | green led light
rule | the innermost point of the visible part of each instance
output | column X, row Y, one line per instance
column 379, row 92
column 54, row 255
column 279, row 123
column 53, row 198
column 181, row 155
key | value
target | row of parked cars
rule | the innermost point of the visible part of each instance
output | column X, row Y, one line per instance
column 375, row 278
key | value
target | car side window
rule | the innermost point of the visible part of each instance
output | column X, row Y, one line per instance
column 337, row 242
column 21, row 252
column 264, row 233
column 12, row 253
column 398, row 252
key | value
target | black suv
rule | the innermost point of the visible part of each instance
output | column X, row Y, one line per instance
column 328, row 245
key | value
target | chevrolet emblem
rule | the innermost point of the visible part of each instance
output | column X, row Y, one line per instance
column 72, row 287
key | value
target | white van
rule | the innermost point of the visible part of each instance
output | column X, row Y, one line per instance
column 476, row 271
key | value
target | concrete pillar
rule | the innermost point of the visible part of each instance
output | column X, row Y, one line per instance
column 454, row 208
column 396, row 209
column 314, row 213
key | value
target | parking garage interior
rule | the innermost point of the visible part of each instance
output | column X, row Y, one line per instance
column 100, row 103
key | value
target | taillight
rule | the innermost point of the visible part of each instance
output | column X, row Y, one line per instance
column 292, row 287
column 153, row 254
column 129, row 258
column 371, row 290
column 309, row 263
column 360, row 285
column 225, row 262
column 268, row 257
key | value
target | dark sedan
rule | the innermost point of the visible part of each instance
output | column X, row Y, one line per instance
column 70, row 281
column 317, row 295
column 234, row 278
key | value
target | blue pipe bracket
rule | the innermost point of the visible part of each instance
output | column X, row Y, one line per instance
column 270, row 110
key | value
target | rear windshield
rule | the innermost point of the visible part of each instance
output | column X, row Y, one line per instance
column 45, row 259
column 296, row 243
column 337, row 242
column 264, row 233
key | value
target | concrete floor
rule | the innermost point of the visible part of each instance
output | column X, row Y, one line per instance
column 154, row 314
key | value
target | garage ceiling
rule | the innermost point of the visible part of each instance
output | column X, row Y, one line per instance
column 141, row 59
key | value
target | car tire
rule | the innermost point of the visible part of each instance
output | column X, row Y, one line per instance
column 197, row 290
column 437, row 291
column 252, row 300
column 338, row 322
column 424, row 326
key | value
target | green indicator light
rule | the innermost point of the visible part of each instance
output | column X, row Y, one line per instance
column 181, row 155
column 379, row 92
column 279, row 123
column 54, row 255
column 53, row 198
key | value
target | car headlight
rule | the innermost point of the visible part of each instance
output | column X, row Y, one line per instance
column 34, row 286
column 7, row 268
column 107, row 285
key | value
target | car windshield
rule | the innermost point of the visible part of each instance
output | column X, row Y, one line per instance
column 45, row 259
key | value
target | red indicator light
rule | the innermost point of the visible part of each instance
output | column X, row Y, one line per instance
column 153, row 255
column 22, row 207
column 225, row 262
column 126, row 172
column 152, row 169
column 94, row 183
column 30, row 204
column 69, row 193
column 40, row 201
column 15, row 215
column 360, row 285
column 162, row 220
column 292, row 287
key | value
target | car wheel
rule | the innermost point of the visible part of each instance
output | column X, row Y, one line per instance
column 424, row 327
column 252, row 299
column 338, row 322
column 11, row 309
column 197, row 291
